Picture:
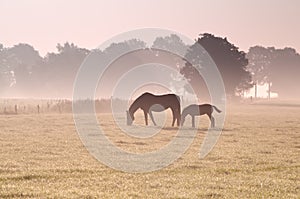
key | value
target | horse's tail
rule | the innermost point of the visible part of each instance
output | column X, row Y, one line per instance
column 218, row 110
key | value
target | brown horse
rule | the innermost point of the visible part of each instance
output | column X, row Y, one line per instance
column 157, row 103
column 195, row 110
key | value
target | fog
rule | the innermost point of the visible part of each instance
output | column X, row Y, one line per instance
column 26, row 74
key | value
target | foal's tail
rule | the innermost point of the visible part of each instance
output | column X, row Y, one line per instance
column 218, row 110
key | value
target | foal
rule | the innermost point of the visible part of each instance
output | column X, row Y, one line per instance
column 196, row 110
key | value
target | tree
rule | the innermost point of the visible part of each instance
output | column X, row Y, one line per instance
column 279, row 68
column 5, row 75
column 259, row 66
column 122, row 47
column 175, row 48
column 23, row 60
column 230, row 61
column 59, row 70
column 284, row 73
column 171, row 43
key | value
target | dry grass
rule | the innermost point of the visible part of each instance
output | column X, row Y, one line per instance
column 257, row 156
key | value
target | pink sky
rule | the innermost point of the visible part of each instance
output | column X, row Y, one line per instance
column 88, row 23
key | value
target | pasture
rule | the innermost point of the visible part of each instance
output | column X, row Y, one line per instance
column 257, row 156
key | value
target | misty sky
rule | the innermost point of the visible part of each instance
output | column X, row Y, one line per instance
column 88, row 23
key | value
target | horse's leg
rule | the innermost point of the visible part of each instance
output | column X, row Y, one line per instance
column 174, row 118
column 151, row 116
column 146, row 117
column 193, row 121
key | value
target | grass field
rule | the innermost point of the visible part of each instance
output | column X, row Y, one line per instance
column 257, row 156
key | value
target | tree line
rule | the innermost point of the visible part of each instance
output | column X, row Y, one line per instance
column 23, row 72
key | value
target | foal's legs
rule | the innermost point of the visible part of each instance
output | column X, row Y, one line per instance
column 193, row 121
column 212, row 120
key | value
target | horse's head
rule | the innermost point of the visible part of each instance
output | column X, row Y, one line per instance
column 129, row 117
